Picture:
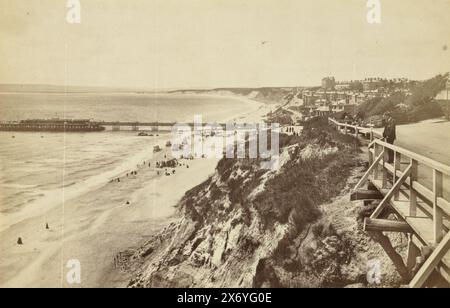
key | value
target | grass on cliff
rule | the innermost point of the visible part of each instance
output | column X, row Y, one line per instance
column 292, row 194
column 296, row 192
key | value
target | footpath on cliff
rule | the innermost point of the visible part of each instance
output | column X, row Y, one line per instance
column 430, row 138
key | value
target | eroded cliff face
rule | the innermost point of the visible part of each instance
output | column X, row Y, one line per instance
column 251, row 227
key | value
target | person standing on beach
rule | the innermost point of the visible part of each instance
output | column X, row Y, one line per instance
column 389, row 134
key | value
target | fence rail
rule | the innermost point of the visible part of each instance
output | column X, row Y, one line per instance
column 420, row 200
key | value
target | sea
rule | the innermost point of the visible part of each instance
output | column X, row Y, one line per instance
column 40, row 168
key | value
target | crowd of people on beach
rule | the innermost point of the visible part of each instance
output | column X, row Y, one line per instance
column 168, row 166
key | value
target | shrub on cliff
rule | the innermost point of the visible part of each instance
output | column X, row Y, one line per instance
column 319, row 131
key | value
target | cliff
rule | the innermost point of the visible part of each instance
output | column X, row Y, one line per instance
column 249, row 227
column 268, row 95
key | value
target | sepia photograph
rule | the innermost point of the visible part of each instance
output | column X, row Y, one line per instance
column 223, row 151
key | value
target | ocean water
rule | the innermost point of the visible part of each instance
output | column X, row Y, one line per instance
column 34, row 167
column 115, row 107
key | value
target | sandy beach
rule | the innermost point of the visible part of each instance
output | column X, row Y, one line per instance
column 94, row 226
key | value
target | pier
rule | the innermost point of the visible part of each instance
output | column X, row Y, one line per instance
column 413, row 197
column 68, row 125
column 163, row 126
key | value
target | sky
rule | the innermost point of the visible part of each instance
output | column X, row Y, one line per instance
column 220, row 43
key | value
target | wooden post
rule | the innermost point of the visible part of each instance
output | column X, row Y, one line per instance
column 366, row 194
column 387, row 198
column 437, row 211
column 385, row 172
column 413, row 194
column 397, row 164
column 371, row 134
column 345, row 129
column 356, row 131
column 395, row 257
column 430, row 264
column 376, row 171
column 386, row 225
column 369, row 171
column 413, row 253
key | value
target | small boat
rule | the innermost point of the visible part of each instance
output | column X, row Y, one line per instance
column 142, row 134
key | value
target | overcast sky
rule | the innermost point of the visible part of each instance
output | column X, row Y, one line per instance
column 219, row 43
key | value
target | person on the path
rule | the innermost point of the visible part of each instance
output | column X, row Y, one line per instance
column 389, row 133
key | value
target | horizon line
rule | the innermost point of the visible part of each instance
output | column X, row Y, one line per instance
column 193, row 88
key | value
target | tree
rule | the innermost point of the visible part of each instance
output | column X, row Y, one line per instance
column 356, row 86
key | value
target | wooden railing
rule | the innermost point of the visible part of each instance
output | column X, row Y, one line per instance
column 355, row 130
column 424, row 195
column 410, row 178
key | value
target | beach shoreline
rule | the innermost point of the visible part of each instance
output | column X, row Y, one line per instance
column 94, row 226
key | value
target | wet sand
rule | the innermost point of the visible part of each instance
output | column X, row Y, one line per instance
column 96, row 226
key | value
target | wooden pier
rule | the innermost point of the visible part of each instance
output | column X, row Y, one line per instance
column 157, row 126
column 68, row 125
column 413, row 194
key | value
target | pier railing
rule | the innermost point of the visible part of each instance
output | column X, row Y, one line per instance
column 417, row 189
